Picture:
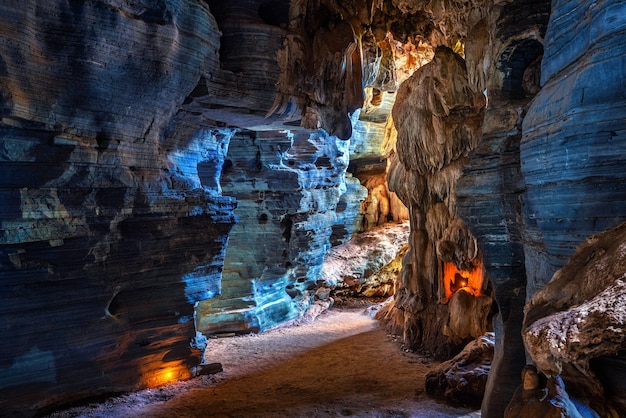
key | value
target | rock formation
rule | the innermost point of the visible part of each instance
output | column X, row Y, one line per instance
column 363, row 266
column 288, row 187
column 579, row 316
column 462, row 379
column 110, row 234
column 509, row 42
column 438, row 118
column 171, row 169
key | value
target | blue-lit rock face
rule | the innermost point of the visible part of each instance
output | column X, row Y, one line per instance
column 113, row 224
column 288, row 187
column 574, row 136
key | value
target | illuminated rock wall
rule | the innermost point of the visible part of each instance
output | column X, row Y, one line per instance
column 129, row 148
column 287, row 187
column 572, row 161
column 438, row 117
column 110, row 234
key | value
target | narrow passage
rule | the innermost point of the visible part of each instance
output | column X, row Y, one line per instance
column 341, row 364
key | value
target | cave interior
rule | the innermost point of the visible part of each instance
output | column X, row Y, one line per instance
column 174, row 171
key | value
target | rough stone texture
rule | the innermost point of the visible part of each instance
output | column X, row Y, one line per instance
column 581, row 315
column 110, row 231
column 354, row 268
column 117, row 120
column 574, row 135
column 287, row 187
column 438, row 118
column 503, row 53
column 462, row 379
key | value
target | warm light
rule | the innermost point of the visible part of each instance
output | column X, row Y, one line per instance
column 174, row 372
column 455, row 280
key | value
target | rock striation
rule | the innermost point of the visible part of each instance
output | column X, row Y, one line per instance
column 169, row 167
column 109, row 234
column 503, row 53
column 573, row 136
column 288, row 188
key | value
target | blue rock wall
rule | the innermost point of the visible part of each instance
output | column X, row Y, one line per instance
column 574, row 136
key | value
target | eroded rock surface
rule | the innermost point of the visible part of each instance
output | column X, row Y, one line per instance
column 109, row 233
column 573, row 136
column 539, row 396
column 355, row 268
column 581, row 315
column 438, row 118
column 288, row 188
column 503, row 54
column 462, row 379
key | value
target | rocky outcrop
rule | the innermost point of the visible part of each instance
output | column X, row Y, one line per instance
column 361, row 266
column 288, row 188
column 438, row 118
column 581, row 315
column 462, row 379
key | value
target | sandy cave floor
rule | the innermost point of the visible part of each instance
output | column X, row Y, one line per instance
column 341, row 364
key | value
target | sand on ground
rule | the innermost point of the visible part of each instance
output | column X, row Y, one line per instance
column 341, row 364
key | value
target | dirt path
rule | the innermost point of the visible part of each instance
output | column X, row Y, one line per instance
column 342, row 364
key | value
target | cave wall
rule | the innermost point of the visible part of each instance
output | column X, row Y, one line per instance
column 288, row 187
column 146, row 156
column 490, row 190
column 573, row 136
column 109, row 236
column 137, row 141
column 571, row 154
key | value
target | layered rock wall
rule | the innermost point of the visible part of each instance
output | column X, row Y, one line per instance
column 509, row 44
column 572, row 162
column 288, row 188
column 109, row 234
column 573, row 136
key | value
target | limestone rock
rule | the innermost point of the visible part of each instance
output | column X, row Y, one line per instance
column 111, row 229
column 581, row 315
column 353, row 268
column 540, row 397
column 573, row 136
column 462, row 379
column 437, row 117
column 500, row 52
column 288, row 187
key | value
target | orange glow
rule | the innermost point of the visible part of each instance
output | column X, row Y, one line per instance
column 167, row 374
column 455, row 280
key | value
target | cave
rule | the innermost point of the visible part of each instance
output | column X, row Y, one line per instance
column 183, row 181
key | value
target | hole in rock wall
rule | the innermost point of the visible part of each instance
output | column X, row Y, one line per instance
column 520, row 64
column 455, row 280
column 275, row 13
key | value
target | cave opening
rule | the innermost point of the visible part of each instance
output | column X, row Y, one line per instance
column 454, row 279
column 520, row 63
